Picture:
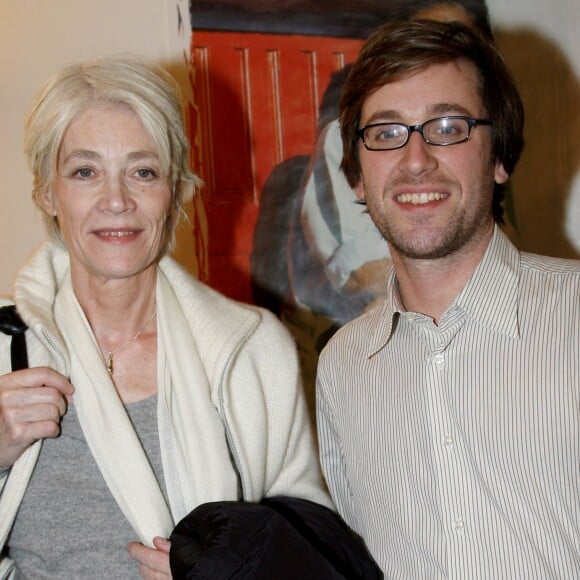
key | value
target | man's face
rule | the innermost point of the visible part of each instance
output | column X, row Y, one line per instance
column 430, row 201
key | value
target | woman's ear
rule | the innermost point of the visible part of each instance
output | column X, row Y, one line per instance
column 46, row 201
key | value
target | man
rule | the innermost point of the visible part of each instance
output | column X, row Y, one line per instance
column 448, row 417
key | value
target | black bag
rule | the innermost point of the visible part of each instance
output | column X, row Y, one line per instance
column 281, row 538
column 12, row 324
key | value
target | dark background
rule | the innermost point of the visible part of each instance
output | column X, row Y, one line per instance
column 341, row 18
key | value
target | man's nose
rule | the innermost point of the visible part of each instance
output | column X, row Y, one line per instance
column 417, row 155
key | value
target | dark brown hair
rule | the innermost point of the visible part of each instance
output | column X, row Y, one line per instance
column 397, row 50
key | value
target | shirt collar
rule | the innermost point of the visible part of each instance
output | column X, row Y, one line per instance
column 382, row 318
column 490, row 297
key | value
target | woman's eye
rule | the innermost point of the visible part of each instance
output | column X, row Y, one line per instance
column 146, row 173
column 83, row 172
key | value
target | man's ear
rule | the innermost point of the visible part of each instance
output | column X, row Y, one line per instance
column 359, row 190
column 500, row 174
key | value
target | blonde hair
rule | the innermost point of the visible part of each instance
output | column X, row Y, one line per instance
column 135, row 82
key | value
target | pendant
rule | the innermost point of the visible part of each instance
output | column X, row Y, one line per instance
column 110, row 364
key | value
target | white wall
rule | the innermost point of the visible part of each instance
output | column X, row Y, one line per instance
column 540, row 41
column 557, row 19
column 37, row 37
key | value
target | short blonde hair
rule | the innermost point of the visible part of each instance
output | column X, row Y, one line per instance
column 125, row 80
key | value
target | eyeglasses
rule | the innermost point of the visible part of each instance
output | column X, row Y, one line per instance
column 440, row 131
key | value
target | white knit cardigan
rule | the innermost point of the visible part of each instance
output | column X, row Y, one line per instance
column 245, row 361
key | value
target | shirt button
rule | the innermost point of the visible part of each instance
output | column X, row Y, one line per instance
column 459, row 527
column 439, row 360
column 448, row 440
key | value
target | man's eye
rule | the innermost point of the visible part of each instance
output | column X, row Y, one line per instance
column 449, row 129
column 386, row 133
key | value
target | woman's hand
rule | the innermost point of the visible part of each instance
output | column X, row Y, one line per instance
column 153, row 562
column 32, row 402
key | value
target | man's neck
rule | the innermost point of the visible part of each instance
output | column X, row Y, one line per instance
column 430, row 286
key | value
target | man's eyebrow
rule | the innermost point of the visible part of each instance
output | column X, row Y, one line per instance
column 379, row 116
column 448, row 108
column 436, row 110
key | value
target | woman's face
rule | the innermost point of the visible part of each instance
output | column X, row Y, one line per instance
column 110, row 195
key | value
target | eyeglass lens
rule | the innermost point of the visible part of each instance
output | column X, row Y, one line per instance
column 440, row 131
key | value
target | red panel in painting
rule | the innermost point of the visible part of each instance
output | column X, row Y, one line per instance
column 257, row 97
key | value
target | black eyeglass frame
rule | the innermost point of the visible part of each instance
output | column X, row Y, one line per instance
column 471, row 122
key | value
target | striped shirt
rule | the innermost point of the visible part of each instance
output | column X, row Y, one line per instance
column 454, row 450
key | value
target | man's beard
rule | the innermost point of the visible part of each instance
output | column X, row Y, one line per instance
column 425, row 243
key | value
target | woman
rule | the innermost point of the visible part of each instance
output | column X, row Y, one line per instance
column 148, row 393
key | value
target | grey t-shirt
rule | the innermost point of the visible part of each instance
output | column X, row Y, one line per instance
column 69, row 525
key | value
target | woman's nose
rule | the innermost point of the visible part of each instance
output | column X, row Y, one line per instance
column 116, row 196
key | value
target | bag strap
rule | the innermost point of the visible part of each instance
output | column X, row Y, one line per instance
column 12, row 324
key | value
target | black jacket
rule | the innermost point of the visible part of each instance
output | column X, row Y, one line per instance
column 280, row 538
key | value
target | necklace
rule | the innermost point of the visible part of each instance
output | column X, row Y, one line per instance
column 110, row 353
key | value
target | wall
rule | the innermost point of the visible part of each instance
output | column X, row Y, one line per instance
column 540, row 42
column 36, row 39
